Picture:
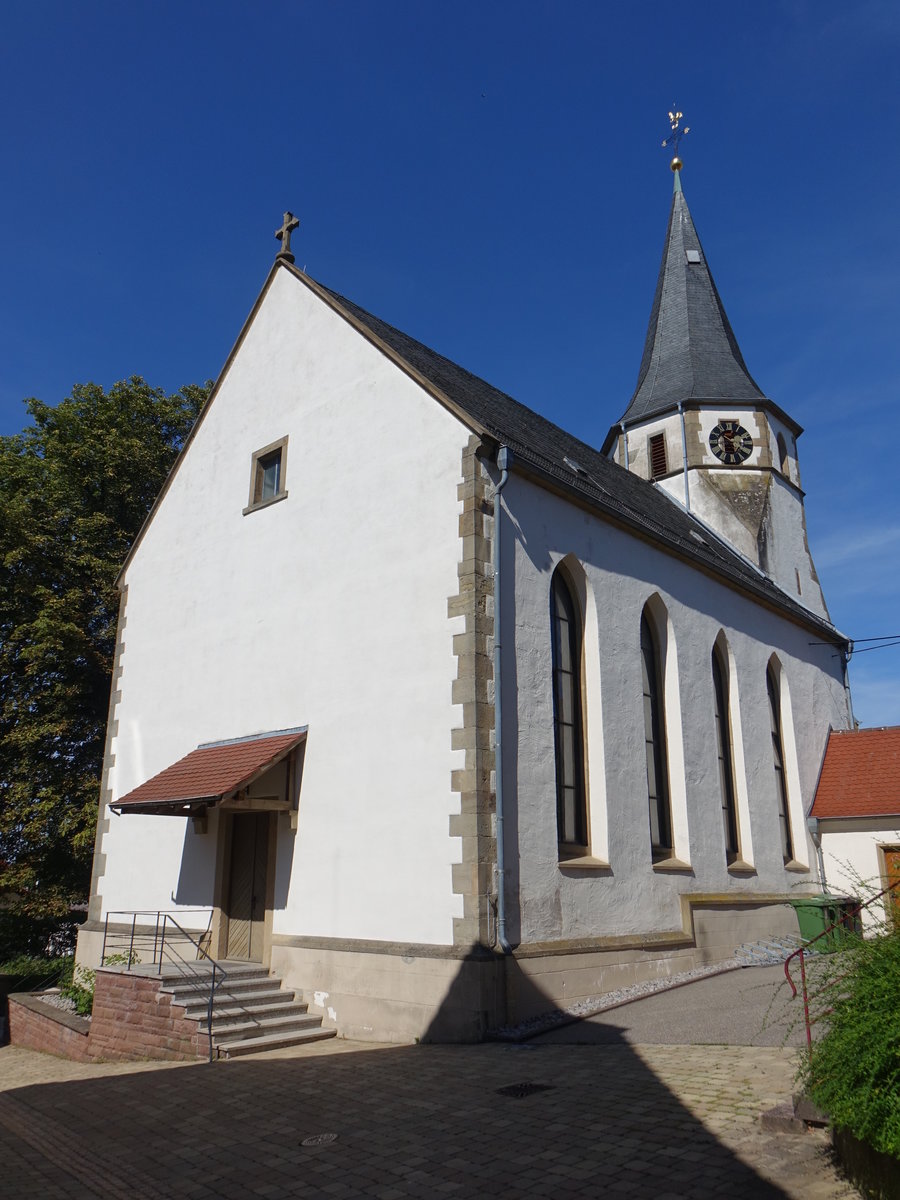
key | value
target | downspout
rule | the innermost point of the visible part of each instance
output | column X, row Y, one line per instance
column 684, row 461
column 624, row 441
column 815, row 832
column 503, row 460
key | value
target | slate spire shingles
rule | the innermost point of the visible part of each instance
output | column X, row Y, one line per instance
column 690, row 352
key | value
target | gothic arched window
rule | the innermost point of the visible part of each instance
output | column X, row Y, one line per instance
column 655, row 742
column 783, row 456
column 568, row 725
column 723, row 748
column 787, row 847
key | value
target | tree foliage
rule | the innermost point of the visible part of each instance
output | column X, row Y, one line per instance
column 75, row 487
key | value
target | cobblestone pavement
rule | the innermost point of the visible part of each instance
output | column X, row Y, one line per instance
column 652, row 1121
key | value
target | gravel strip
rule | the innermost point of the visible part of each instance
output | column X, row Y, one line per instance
column 53, row 999
column 593, row 1005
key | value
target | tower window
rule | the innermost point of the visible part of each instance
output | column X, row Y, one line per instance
column 783, row 455
column 657, row 453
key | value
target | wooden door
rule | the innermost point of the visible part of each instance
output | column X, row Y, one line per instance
column 246, row 907
column 892, row 872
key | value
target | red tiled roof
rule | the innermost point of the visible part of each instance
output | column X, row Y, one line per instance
column 860, row 774
column 211, row 772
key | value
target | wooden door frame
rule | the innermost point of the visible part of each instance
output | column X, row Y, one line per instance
column 219, row 938
column 885, row 876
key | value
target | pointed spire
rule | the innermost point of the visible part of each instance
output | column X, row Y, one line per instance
column 690, row 352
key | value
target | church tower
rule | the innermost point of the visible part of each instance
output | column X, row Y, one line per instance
column 699, row 425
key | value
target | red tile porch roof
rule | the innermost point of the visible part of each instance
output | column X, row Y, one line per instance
column 860, row 774
column 210, row 773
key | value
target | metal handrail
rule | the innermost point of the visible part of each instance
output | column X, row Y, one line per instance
column 163, row 918
column 800, row 953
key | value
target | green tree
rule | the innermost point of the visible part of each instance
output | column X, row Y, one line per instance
column 75, row 487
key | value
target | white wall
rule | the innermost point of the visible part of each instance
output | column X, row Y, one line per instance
column 853, row 862
column 326, row 609
column 623, row 572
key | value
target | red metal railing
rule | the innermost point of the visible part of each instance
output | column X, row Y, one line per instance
column 844, row 925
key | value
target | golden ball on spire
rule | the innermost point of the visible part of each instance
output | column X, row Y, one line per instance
column 676, row 164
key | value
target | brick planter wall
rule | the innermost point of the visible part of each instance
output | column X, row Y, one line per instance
column 33, row 1025
column 133, row 1019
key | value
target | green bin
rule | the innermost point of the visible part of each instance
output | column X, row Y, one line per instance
column 815, row 914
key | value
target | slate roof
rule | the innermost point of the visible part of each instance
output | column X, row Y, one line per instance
column 860, row 775
column 210, row 773
column 542, row 448
column 690, row 353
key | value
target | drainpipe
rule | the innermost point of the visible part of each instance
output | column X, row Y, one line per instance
column 812, row 824
column 625, row 441
column 503, row 461
column 684, row 461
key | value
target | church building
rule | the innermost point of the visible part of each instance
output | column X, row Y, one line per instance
column 446, row 717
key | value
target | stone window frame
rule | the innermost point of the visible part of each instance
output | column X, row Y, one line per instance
column 257, row 468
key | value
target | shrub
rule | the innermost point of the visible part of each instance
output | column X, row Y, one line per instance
column 33, row 972
column 853, row 1072
column 80, row 990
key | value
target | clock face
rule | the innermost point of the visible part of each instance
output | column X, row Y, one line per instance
column 730, row 442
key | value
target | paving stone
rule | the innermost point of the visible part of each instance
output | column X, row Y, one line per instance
column 641, row 1121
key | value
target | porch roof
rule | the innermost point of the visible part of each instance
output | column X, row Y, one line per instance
column 211, row 773
column 860, row 774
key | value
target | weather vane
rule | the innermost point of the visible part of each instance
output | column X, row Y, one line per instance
column 675, row 137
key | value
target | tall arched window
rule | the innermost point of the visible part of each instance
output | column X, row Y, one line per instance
column 787, row 846
column 568, row 725
column 726, row 760
column 783, row 455
column 655, row 742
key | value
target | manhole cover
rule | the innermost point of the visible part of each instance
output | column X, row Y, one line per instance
column 319, row 1139
column 524, row 1089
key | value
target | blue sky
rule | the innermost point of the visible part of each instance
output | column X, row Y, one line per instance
column 488, row 177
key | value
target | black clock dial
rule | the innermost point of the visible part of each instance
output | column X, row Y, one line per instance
column 730, row 442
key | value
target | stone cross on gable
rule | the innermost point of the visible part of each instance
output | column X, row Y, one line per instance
column 288, row 225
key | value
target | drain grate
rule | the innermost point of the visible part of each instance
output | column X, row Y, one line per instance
column 519, row 1090
column 319, row 1139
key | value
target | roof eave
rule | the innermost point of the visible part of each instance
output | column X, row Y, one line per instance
column 580, row 495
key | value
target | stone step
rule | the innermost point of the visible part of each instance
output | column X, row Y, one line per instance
column 231, row 985
column 250, row 1012
column 200, row 969
column 244, row 1001
column 245, row 1030
column 275, row 1041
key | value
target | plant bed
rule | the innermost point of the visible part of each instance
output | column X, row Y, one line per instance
column 876, row 1174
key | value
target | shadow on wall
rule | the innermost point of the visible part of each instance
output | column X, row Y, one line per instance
column 489, row 1120
column 197, row 872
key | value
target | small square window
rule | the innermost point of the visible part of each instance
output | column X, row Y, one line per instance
column 267, row 474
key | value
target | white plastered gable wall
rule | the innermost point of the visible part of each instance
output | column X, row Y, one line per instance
column 326, row 609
